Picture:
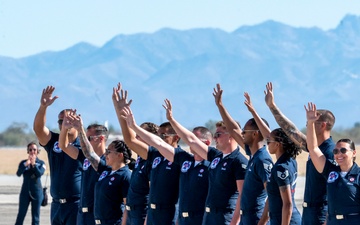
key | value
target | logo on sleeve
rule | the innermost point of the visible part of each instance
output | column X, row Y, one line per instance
column 103, row 175
column 185, row 166
column 86, row 164
column 332, row 177
column 268, row 167
column 283, row 175
column 156, row 162
column 215, row 162
column 56, row 147
column 137, row 162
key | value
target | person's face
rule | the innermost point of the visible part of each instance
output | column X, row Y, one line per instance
column 112, row 156
column 248, row 134
column 207, row 142
column 168, row 136
column 344, row 159
column 95, row 140
column 33, row 150
column 273, row 145
column 222, row 138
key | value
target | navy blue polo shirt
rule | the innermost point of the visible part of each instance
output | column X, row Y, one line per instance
column 138, row 193
column 258, row 172
column 110, row 191
column 223, row 174
column 315, row 184
column 343, row 192
column 65, row 171
column 194, row 182
column 89, row 179
column 283, row 173
column 164, row 179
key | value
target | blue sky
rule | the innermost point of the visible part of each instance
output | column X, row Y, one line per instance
column 29, row 27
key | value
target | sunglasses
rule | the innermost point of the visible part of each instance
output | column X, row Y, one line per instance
column 163, row 136
column 60, row 122
column 268, row 141
column 32, row 149
column 244, row 131
column 107, row 151
column 93, row 138
column 342, row 150
column 218, row 134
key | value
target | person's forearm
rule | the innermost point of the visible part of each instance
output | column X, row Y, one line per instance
column 88, row 150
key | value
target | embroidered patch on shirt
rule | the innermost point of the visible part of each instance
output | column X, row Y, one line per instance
column 185, row 166
column 332, row 177
column 156, row 162
column 215, row 162
column 283, row 175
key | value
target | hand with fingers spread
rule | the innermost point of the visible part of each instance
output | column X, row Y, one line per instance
column 75, row 121
column 311, row 114
column 46, row 97
column 248, row 103
column 168, row 108
column 119, row 97
column 218, row 94
column 67, row 123
column 128, row 116
column 269, row 95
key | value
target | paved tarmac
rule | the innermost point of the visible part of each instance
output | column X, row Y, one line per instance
column 9, row 198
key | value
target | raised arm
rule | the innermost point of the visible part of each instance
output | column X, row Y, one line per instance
column 164, row 148
column 119, row 98
column 231, row 125
column 289, row 127
column 317, row 157
column 86, row 147
column 64, row 143
column 42, row 132
column 264, row 129
column 187, row 136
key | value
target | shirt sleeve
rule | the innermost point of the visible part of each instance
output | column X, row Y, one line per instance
column 282, row 176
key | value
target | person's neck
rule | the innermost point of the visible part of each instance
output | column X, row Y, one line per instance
column 346, row 168
column 117, row 166
column 72, row 137
column 99, row 150
column 322, row 137
column 255, row 147
column 230, row 148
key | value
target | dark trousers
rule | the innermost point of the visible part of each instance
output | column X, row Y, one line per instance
column 24, row 201
column 191, row 220
column 64, row 214
column 85, row 218
column 217, row 218
column 251, row 218
column 136, row 216
column 314, row 215
column 165, row 216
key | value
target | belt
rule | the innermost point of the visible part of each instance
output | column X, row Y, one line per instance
column 343, row 217
column 314, row 204
column 161, row 206
column 217, row 210
column 86, row 209
column 192, row 213
column 135, row 207
column 66, row 200
column 244, row 213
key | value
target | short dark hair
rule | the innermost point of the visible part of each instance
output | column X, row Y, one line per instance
column 150, row 127
column 169, row 126
column 254, row 125
column 32, row 143
column 99, row 129
column 205, row 132
column 328, row 117
column 291, row 149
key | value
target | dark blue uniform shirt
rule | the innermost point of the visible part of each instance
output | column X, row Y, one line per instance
column 315, row 184
column 138, row 194
column 283, row 173
column 223, row 174
column 164, row 179
column 343, row 192
column 65, row 171
column 89, row 179
column 31, row 174
column 193, row 182
column 258, row 171
column 110, row 191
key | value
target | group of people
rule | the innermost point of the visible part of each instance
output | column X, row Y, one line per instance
column 233, row 182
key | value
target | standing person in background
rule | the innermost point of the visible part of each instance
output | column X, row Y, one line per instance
column 251, row 138
column 315, row 199
column 97, row 134
column 163, row 174
column 32, row 169
column 65, row 172
column 113, row 184
column 343, row 179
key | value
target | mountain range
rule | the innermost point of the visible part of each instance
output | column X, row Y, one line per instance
column 304, row 64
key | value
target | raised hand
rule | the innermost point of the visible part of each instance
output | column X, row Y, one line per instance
column 311, row 114
column 128, row 116
column 46, row 97
column 217, row 94
column 68, row 119
column 269, row 95
column 76, row 121
column 248, row 103
column 119, row 97
column 168, row 108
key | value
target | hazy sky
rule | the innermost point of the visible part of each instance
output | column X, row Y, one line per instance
column 29, row 27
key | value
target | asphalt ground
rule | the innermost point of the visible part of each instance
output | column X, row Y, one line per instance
column 9, row 198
